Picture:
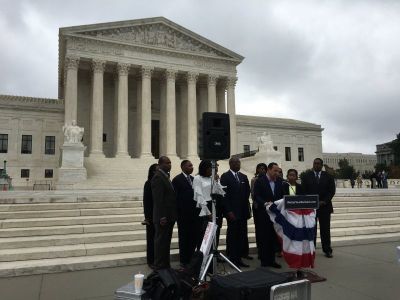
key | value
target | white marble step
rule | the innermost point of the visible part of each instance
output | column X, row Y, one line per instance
column 100, row 208
column 33, row 197
column 372, row 208
column 113, row 227
column 69, row 229
column 338, row 206
column 365, row 222
column 55, row 265
column 40, row 266
column 138, row 217
column 365, row 215
column 83, row 249
column 81, row 220
column 366, row 198
column 69, row 206
column 365, row 203
column 137, row 235
column 69, row 213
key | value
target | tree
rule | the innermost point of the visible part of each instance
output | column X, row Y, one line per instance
column 345, row 170
column 395, row 145
column 381, row 167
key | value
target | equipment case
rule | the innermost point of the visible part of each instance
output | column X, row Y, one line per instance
column 251, row 285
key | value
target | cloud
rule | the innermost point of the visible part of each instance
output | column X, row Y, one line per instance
column 334, row 63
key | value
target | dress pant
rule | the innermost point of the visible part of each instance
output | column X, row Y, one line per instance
column 245, row 250
column 255, row 216
column 236, row 237
column 162, row 245
column 150, row 244
column 267, row 238
column 324, row 220
column 189, row 232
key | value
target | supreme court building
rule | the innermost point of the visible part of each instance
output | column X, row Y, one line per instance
column 138, row 88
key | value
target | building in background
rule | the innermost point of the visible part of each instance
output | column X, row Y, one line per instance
column 384, row 154
column 361, row 162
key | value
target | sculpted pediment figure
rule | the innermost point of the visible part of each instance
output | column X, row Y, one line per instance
column 156, row 33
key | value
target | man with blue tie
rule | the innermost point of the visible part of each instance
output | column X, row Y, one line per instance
column 267, row 189
column 236, row 207
column 189, row 223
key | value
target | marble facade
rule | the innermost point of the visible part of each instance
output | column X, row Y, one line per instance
column 138, row 88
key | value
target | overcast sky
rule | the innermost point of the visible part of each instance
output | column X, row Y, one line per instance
column 334, row 63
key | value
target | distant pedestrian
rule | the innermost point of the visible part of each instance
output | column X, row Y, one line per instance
column 359, row 181
column 384, row 179
column 379, row 180
column 352, row 182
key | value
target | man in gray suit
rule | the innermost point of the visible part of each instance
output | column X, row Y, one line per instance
column 164, row 213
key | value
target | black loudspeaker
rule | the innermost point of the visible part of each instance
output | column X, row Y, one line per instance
column 215, row 139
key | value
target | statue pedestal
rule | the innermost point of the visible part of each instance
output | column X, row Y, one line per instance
column 72, row 170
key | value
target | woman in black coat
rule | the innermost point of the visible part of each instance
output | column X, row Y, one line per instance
column 148, row 215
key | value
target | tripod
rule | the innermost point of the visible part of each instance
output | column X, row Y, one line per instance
column 212, row 257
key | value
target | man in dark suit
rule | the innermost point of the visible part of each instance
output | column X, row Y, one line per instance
column 164, row 213
column 318, row 182
column 236, row 206
column 189, row 225
column 267, row 188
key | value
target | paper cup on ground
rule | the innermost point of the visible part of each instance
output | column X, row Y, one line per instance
column 138, row 283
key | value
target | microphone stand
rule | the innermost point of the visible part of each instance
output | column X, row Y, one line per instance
column 212, row 257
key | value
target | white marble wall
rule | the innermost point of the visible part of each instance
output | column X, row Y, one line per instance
column 39, row 124
column 286, row 136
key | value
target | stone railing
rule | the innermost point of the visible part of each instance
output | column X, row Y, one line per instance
column 366, row 183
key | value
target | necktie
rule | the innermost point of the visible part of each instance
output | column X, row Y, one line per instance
column 189, row 180
column 317, row 177
column 237, row 177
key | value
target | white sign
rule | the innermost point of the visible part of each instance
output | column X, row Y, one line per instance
column 208, row 239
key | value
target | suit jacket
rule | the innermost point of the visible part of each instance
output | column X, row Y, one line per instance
column 148, row 201
column 164, row 198
column 263, row 192
column 299, row 189
column 187, row 209
column 326, row 189
column 237, row 195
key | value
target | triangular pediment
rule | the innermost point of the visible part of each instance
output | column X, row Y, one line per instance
column 155, row 33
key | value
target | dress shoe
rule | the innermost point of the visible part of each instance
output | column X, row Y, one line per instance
column 240, row 263
column 248, row 257
column 328, row 254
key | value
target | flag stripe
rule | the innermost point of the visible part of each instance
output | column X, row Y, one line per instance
column 292, row 232
column 296, row 233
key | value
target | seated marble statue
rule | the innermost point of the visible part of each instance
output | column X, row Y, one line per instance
column 265, row 143
column 73, row 133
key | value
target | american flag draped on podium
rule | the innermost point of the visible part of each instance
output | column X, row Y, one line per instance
column 296, row 231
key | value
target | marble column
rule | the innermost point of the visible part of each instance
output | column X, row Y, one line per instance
column 163, row 117
column 221, row 103
column 231, row 83
column 170, row 107
column 71, row 89
column 202, row 101
column 192, row 116
column 122, row 114
column 96, row 116
column 145, row 107
column 212, row 94
column 182, row 119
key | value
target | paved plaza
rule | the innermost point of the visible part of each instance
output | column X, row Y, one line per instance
column 356, row 272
